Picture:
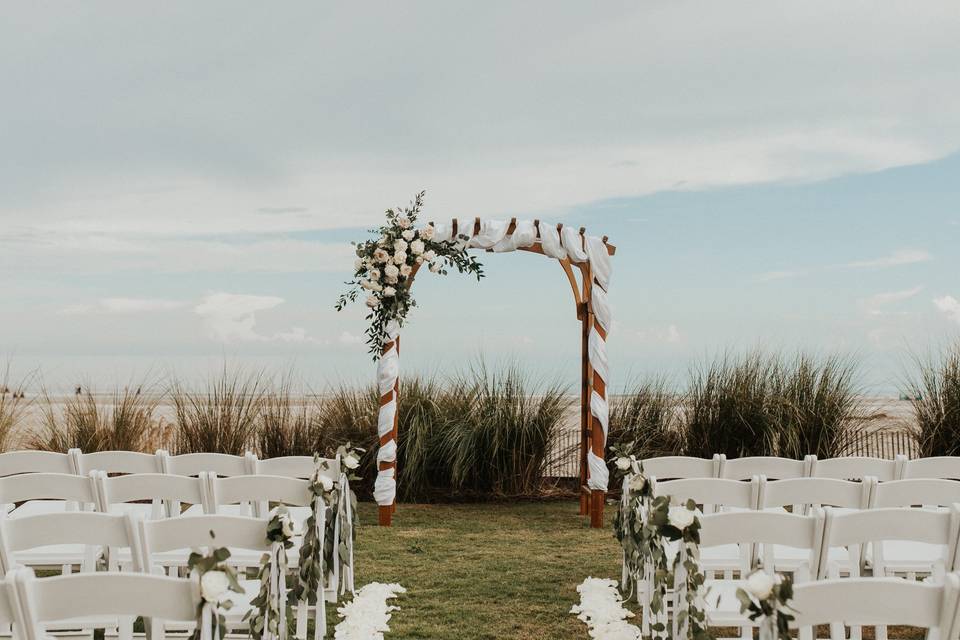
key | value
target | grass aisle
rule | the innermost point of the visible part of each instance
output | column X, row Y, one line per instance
column 485, row 571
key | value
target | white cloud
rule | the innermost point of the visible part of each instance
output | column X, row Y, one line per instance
column 124, row 306
column 350, row 339
column 900, row 257
column 875, row 304
column 660, row 335
column 231, row 318
column 949, row 306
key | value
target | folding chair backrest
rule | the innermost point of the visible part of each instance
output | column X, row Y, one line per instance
column 767, row 528
column 78, row 527
column 117, row 462
column 947, row 467
column 297, row 467
column 238, row 489
column 14, row 462
column 916, row 491
column 769, row 466
column 714, row 492
column 48, row 600
column 192, row 532
column 47, row 486
column 855, row 468
column 222, row 464
column 151, row 486
column 816, row 492
column 855, row 529
column 668, row 467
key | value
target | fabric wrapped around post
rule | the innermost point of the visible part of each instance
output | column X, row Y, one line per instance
column 599, row 476
column 388, row 372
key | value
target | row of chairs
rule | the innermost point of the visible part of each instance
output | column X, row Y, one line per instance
column 847, row 467
column 76, row 462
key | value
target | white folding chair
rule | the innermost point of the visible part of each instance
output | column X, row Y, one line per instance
column 240, row 534
column 763, row 529
column 769, row 466
column 945, row 467
column 883, row 528
column 877, row 602
column 219, row 464
column 807, row 494
column 668, row 467
column 127, row 494
column 916, row 492
column 55, row 602
column 51, row 494
column 855, row 468
column 35, row 542
column 297, row 467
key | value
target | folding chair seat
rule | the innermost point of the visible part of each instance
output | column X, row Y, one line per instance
column 54, row 602
column 877, row 602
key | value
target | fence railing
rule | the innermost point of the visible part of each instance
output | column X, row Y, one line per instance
column 564, row 460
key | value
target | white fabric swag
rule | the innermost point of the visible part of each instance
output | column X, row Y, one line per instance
column 566, row 243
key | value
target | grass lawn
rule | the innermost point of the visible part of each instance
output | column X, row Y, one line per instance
column 485, row 571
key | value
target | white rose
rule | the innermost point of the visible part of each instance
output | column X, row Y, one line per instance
column 213, row 584
column 374, row 274
column 391, row 280
column 429, row 255
column 381, row 256
column 350, row 461
column 372, row 301
column 287, row 527
column 416, row 247
column 623, row 463
column 365, row 284
column 760, row 584
column 680, row 517
column 357, row 264
column 391, row 271
column 419, row 260
column 434, row 267
column 408, row 234
column 405, row 270
column 399, row 257
column 427, row 232
column 389, row 292
column 326, row 482
column 403, row 222
column 400, row 245
column 637, row 482
column 376, row 286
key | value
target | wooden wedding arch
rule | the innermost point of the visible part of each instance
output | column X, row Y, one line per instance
column 575, row 251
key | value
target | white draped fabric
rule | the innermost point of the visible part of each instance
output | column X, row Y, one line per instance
column 565, row 243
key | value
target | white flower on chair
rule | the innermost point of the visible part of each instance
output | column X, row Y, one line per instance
column 681, row 517
column 760, row 584
column 213, row 584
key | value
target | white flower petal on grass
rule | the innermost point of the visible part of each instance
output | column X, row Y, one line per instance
column 366, row 617
column 601, row 608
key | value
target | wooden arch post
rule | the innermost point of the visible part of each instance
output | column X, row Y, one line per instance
column 592, row 436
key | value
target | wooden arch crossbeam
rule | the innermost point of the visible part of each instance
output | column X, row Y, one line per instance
column 593, row 387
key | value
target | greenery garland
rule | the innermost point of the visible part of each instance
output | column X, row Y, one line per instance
column 385, row 267
column 270, row 614
column 330, row 495
column 643, row 525
column 767, row 599
column 216, row 579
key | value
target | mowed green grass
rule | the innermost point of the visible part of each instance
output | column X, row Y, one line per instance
column 485, row 571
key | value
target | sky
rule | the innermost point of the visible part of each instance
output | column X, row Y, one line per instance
column 179, row 183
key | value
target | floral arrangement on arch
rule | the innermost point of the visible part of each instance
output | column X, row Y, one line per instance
column 217, row 581
column 644, row 525
column 386, row 264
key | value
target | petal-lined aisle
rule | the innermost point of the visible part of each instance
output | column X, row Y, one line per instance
column 366, row 617
column 601, row 608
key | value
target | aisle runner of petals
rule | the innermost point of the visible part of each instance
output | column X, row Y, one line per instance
column 601, row 608
column 367, row 615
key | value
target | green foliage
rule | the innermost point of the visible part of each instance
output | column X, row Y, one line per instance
column 650, row 416
column 221, row 419
column 122, row 421
column 935, row 395
column 289, row 424
column 12, row 409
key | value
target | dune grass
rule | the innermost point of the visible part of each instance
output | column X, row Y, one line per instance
column 936, row 403
column 485, row 571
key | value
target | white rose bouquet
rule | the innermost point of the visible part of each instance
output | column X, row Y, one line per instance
column 217, row 581
column 386, row 265
column 766, row 598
